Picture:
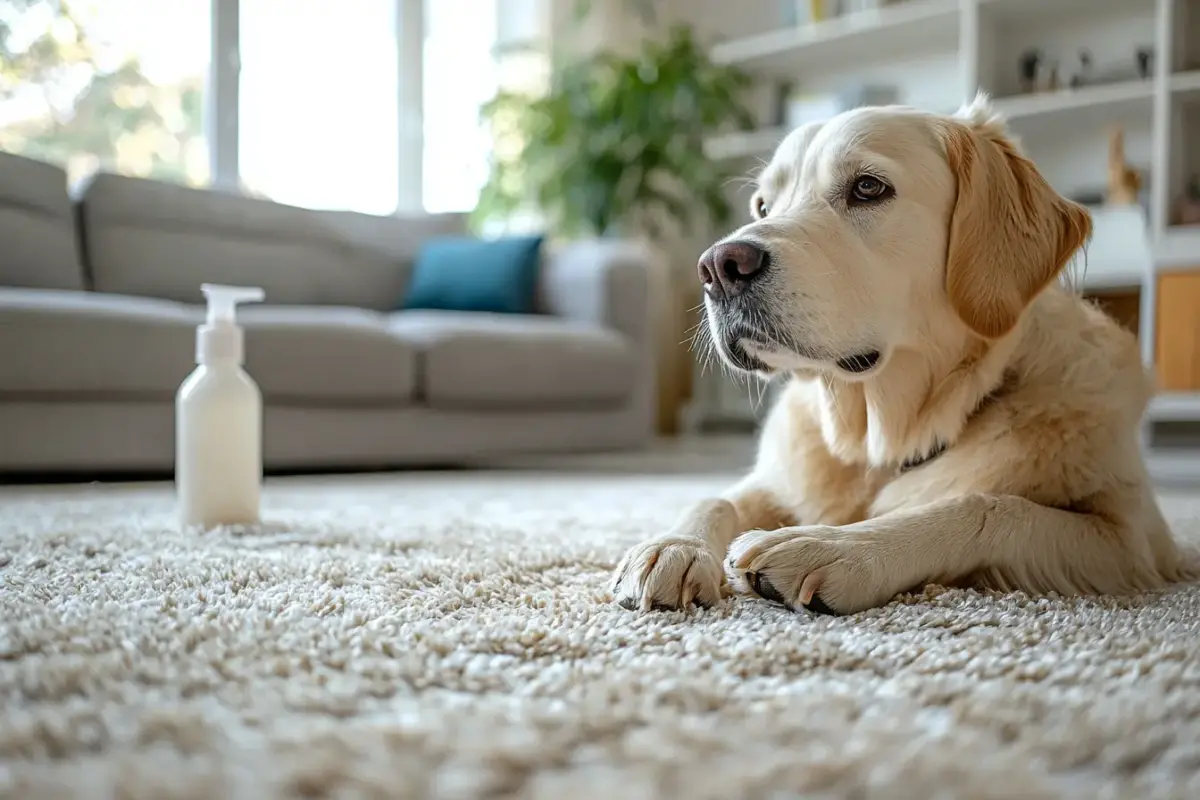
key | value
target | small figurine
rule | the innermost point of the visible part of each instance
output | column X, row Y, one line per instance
column 1085, row 74
column 1124, row 182
column 1029, row 63
column 1145, row 62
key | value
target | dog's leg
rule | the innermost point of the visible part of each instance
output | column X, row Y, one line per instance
column 683, row 566
column 998, row 541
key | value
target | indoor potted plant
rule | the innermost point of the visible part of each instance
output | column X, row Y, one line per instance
column 617, row 143
column 615, row 147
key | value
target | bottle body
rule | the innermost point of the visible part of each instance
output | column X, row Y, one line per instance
column 218, row 446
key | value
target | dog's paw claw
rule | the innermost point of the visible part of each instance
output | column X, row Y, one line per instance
column 766, row 590
column 817, row 606
column 668, row 574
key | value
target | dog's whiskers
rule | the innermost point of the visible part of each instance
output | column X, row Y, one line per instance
column 702, row 345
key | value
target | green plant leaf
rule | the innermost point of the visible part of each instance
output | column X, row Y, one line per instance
column 618, row 140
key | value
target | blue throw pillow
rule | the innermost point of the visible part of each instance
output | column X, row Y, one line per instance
column 467, row 274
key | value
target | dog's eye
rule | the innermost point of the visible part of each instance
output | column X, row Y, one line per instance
column 868, row 189
column 760, row 205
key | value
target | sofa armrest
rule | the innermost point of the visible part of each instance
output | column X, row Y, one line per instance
column 604, row 282
column 611, row 284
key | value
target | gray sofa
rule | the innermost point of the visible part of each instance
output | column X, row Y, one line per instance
column 100, row 296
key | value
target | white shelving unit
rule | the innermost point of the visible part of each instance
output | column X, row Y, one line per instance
column 938, row 53
column 1136, row 95
column 888, row 31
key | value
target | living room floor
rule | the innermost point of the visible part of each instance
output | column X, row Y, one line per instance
column 449, row 634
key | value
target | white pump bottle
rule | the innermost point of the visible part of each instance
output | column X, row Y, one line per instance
column 218, row 421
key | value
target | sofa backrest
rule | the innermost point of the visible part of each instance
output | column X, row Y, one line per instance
column 157, row 239
column 38, row 244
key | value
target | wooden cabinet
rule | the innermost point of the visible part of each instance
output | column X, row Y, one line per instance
column 1177, row 331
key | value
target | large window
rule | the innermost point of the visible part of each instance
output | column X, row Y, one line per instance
column 318, row 107
column 107, row 84
column 460, row 74
column 364, row 105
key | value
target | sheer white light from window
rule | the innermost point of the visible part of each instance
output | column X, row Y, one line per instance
column 318, row 115
column 170, row 43
column 459, row 75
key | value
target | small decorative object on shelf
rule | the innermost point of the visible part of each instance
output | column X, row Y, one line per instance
column 1086, row 73
column 853, row 6
column 1140, row 67
column 1029, row 66
column 804, row 12
column 809, row 11
column 1187, row 210
column 1145, row 62
column 1124, row 182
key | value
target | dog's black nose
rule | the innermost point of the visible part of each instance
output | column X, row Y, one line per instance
column 727, row 269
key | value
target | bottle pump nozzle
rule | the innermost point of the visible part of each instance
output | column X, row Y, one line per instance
column 220, row 336
column 223, row 300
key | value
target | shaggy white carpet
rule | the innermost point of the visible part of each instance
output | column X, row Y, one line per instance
column 450, row 635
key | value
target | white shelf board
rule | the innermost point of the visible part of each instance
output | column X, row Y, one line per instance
column 1091, row 280
column 914, row 27
column 1108, row 97
column 745, row 144
column 1119, row 255
column 1026, row 12
column 1178, row 248
column 1173, row 467
column 1185, row 82
column 1174, row 407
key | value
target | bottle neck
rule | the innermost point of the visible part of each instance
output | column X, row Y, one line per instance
column 219, row 342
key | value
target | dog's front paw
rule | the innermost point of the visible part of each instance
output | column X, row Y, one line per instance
column 668, row 573
column 819, row 568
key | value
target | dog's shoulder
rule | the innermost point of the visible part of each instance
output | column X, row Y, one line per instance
column 1075, row 356
column 1062, row 426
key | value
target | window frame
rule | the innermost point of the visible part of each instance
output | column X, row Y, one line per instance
column 221, row 110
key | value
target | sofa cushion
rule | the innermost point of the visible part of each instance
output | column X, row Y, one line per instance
column 158, row 239
column 38, row 242
column 465, row 274
column 328, row 353
column 106, row 345
column 486, row 361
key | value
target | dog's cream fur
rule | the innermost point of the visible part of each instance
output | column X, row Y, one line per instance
column 1036, row 394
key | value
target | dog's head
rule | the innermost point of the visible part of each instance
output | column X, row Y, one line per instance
column 879, row 230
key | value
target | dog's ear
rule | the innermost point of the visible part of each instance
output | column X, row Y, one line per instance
column 1010, row 232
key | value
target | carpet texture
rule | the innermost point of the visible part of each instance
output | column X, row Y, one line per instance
column 450, row 636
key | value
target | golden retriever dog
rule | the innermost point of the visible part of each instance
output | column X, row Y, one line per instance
column 955, row 415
